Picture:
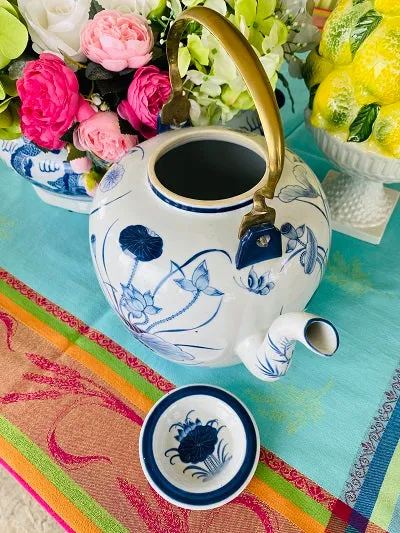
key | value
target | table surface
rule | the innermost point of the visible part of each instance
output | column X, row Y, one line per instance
column 320, row 418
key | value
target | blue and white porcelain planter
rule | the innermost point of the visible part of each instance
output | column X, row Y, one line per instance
column 49, row 173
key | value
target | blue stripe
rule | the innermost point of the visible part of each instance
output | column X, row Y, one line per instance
column 379, row 465
column 198, row 209
column 205, row 498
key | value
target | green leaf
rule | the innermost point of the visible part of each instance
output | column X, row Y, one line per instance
column 13, row 131
column 157, row 53
column 313, row 92
column 8, row 85
column 2, row 92
column 68, row 136
column 4, row 61
column 96, row 72
column 364, row 27
column 16, row 68
column 361, row 126
column 276, row 30
column 13, row 35
column 6, row 119
column 126, row 127
column 183, row 60
column 95, row 8
column 197, row 50
column 176, row 8
column 247, row 9
column 356, row 2
column 117, row 84
column 265, row 8
column 7, row 135
column 74, row 153
column 5, row 103
column 158, row 10
column 9, row 7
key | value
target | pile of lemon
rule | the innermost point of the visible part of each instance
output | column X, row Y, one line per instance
column 354, row 75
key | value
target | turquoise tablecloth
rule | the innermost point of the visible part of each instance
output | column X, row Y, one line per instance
column 316, row 418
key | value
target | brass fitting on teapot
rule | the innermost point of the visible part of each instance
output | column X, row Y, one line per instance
column 176, row 109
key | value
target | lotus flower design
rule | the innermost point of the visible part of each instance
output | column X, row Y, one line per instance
column 197, row 444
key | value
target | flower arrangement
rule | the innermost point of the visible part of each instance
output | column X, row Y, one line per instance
column 92, row 76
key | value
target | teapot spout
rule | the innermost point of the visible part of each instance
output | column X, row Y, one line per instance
column 271, row 360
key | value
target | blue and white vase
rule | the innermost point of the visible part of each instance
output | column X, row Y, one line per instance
column 50, row 174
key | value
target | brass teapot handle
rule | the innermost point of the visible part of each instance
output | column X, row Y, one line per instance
column 176, row 109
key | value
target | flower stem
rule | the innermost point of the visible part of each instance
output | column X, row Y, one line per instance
column 178, row 313
column 134, row 268
column 73, row 62
column 145, row 321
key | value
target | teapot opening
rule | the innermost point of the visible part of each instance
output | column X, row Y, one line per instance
column 208, row 170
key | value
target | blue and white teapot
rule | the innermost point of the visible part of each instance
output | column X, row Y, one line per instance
column 194, row 275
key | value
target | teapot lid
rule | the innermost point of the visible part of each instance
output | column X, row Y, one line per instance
column 197, row 434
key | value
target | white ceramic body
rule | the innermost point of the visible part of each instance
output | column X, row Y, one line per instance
column 357, row 197
column 49, row 172
column 187, row 301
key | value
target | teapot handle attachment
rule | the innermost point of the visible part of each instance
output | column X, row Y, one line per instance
column 176, row 109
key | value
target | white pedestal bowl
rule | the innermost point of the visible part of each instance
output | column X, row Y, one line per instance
column 360, row 205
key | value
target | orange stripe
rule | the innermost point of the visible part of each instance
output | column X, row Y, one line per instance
column 75, row 352
column 284, row 506
column 258, row 487
column 49, row 492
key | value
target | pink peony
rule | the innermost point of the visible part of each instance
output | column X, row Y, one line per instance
column 100, row 134
column 117, row 41
column 50, row 101
column 149, row 90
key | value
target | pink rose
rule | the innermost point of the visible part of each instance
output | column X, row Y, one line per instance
column 100, row 134
column 50, row 100
column 148, row 91
column 81, row 165
column 117, row 41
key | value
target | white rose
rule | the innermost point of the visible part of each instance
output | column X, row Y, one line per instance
column 140, row 7
column 56, row 24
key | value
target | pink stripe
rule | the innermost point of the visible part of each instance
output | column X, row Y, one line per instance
column 274, row 462
column 36, row 496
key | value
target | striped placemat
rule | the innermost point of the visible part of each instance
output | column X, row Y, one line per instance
column 71, row 405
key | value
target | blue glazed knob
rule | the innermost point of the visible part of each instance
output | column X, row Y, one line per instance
column 259, row 243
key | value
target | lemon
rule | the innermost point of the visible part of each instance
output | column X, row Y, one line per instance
column 316, row 68
column 355, row 75
column 335, row 105
column 376, row 64
column 387, row 7
column 335, row 41
column 386, row 130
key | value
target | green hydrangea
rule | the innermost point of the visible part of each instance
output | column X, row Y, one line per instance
column 13, row 41
column 13, row 33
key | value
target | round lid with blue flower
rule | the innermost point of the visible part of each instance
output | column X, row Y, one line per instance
column 199, row 447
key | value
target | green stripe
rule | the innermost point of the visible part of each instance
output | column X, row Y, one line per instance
column 73, row 336
column 293, row 494
column 75, row 494
column 271, row 478
column 388, row 494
